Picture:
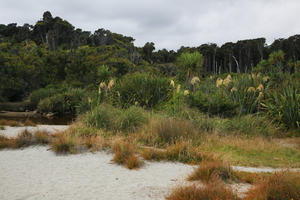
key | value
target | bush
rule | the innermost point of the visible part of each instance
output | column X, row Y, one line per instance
column 40, row 94
column 284, row 106
column 132, row 118
column 142, row 89
column 280, row 186
column 103, row 116
column 110, row 118
column 216, row 103
column 63, row 103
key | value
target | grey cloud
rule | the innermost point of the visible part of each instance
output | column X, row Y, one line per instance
column 168, row 23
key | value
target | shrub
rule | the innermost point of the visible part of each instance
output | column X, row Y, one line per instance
column 280, row 186
column 207, row 170
column 191, row 63
column 103, row 116
column 171, row 130
column 284, row 106
column 110, row 118
column 132, row 118
column 62, row 103
column 214, row 190
column 216, row 103
column 142, row 89
column 40, row 94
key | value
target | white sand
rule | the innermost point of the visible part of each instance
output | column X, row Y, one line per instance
column 263, row 169
column 35, row 173
column 14, row 131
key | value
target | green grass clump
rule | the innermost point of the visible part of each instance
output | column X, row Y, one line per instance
column 132, row 118
column 107, row 117
column 142, row 89
column 248, row 125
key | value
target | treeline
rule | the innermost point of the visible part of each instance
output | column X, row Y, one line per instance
column 53, row 51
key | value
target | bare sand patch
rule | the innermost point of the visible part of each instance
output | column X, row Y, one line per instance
column 37, row 173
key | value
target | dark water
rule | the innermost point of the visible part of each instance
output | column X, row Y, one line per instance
column 62, row 120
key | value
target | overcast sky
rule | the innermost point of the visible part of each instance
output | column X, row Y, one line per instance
column 168, row 23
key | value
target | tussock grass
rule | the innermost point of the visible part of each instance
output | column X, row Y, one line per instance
column 124, row 154
column 24, row 139
column 207, row 170
column 6, row 142
column 171, row 130
column 214, row 190
column 2, row 127
column 64, row 144
column 280, row 186
column 42, row 137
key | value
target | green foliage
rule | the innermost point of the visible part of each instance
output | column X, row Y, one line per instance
column 191, row 64
column 107, row 117
column 217, row 103
column 283, row 106
column 141, row 89
column 248, row 125
column 132, row 118
column 62, row 103
column 40, row 94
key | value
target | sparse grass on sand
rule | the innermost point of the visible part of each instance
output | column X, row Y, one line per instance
column 280, row 186
column 13, row 123
column 213, row 190
column 25, row 139
column 124, row 154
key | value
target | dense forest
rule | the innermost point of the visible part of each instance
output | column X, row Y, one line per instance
column 53, row 51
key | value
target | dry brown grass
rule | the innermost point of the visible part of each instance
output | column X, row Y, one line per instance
column 280, row 186
column 170, row 131
column 28, row 122
column 42, row 137
column 25, row 139
column 124, row 154
column 182, row 151
column 250, row 177
column 64, row 144
column 209, row 169
column 5, row 122
column 153, row 154
column 214, row 190
column 7, row 142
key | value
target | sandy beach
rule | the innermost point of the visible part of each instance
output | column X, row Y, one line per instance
column 36, row 173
